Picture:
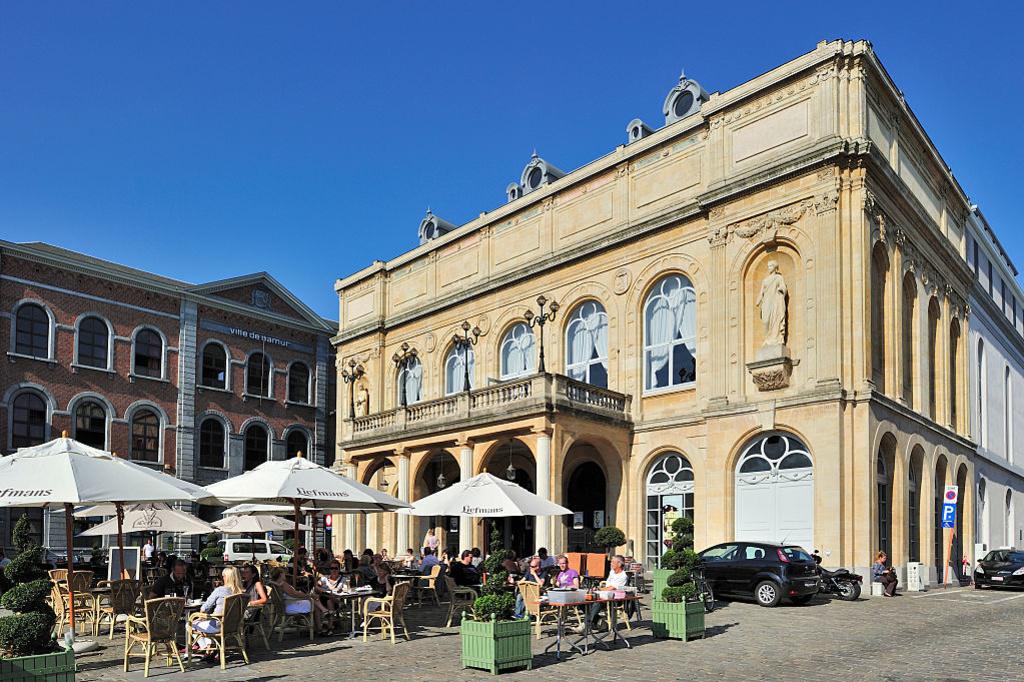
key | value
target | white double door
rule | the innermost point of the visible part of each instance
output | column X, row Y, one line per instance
column 776, row 506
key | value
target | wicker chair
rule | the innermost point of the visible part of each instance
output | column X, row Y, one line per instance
column 264, row 621
column 122, row 601
column 297, row 622
column 389, row 612
column 537, row 611
column 155, row 630
column 59, row 575
column 428, row 583
column 458, row 597
column 231, row 632
column 85, row 607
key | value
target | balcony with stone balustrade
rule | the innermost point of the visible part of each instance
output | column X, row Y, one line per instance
column 541, row 393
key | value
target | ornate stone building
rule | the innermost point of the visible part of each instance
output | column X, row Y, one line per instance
column 760, row 323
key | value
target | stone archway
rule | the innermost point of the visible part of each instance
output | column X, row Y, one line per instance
column 437, row 471
column 512, row 459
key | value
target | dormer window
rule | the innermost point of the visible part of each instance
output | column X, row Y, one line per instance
column 537, row 173
column 432, row 227
column 684, row 99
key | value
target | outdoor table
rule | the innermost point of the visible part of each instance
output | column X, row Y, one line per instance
column 355, row 598
column 589, row 638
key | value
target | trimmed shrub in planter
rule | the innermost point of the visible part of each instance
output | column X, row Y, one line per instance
column 609, row 537
column 677, row 620
column 493, row 639
column 27, row 650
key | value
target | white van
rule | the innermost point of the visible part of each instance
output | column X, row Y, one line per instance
column 241, row 549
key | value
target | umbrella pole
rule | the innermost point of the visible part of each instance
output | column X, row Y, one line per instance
column 120, row 540
column 68, row 531
column 295, row 546
column 313, row 517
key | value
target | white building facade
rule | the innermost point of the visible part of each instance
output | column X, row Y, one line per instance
column 997, row 389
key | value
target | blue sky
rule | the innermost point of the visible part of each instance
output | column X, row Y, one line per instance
column 205, row 140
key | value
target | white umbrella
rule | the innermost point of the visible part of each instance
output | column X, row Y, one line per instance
column 257, row 523
column 153, row 518
column 264, row 509
column 66, row 472
column 302, row 483
column 485, row 495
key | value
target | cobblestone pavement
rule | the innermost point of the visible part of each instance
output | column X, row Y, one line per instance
column 960, row 634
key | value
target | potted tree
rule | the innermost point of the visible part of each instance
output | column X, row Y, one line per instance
column 609, row 537
column 27, row 649
column 681, row 538
column 677, row 610
column 493, row 639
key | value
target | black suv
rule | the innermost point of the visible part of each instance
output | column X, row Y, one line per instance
column 762, row 570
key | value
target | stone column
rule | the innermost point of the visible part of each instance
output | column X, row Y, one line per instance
column 401, row 520
column 349, row 541
column 542, row 524
column 465, row 473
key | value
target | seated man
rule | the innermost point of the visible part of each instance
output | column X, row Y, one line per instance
column 463, row 571
column 616, row 580
column 534, row 574
column 366, row 574
column 429, row 561
column 546, row 561
column 174, row 584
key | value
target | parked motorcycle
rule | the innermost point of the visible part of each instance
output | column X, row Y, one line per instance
column 840, row 582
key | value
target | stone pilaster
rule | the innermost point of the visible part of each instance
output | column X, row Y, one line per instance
column 323, row 366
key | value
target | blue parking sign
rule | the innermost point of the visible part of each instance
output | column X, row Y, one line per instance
column 948, row 515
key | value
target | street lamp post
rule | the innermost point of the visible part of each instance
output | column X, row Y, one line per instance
column 400, row 359
column 539, row 320
column 350, row 376
column 465, row 343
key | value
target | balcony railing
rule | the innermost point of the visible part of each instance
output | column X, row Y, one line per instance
column 518, row 397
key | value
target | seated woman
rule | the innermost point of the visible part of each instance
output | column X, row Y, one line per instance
column 253, row 584
column 881, row 574
column 510, row 564
column 297, row 602
column 214, row 605
column 533, row 574
column 330, row 584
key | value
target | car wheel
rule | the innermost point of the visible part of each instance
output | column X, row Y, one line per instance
column 767, row 593
column 802, row 599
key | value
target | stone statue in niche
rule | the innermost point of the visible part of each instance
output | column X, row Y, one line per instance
column 772, row 304
column 362, row 400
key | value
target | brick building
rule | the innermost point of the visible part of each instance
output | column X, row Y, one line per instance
column 203, row 381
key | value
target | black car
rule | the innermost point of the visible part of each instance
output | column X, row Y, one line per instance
column 1000, row 568
column 767, row 572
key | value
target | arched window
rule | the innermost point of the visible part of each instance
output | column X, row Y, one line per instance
column 910, row 337
column 586, row 344
column 215, row 366
column 28, row 420
column 32, row 331
column 954, row 374
column 409, row 381
column 669, row 496
column 879, row 275
column 517, row 352
column 934, row 360
column 884, row 491
column 211, row 444
column 149, row 354
column 983, row 525
column 775, row 491
column 913, row 515
column 298, row 383
column 257, row 376
column 1010, row 521
column 145, row 436
column 93, row 342
column 982, row 395
column 257, row 446
column 91, row 424
column 1007, row 414
column 296, row 443
column 670, row 334
column 455, row 369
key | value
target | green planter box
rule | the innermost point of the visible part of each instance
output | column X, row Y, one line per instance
column 683, row 621
column 660, row 582
column 496, row 644
column 57, row 667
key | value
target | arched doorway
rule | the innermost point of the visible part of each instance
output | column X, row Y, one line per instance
column 914, row 485
column 775, row 491
column 669, row 488
column 512, row 460
column 585, row 495
column 941, row 480
column 885, row 467
column 959, row 540
column 439, row 471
